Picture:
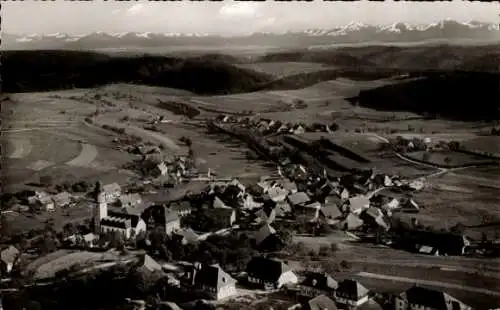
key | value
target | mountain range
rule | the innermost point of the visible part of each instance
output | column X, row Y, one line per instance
column 446, row 30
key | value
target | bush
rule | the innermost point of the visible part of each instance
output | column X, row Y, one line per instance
column 46, row 180
column 88, row 120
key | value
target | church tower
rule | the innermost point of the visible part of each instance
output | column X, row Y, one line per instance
column 100, row 207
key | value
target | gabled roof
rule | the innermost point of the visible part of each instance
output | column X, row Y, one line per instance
column 320, row 302
column 330, row 211
column 277, row 193
column 62, row 198
column 149, row 263
column 282, row 208
column 112, row 187
column 314, row 205
column 213, row 276
column 115, row 222
column 428, row 298
column 353, row 221
column 266, row 269
column 171, row 216
column 219, row 204
column 321, row 281
column 370, row 304
column 352, row 287
column 134, row 219
column 10, row 254
column 266, row 215
column 188, row 234
column 264, row 232
column 298, row 198
column 358, row 202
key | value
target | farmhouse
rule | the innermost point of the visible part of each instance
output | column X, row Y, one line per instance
column 172, row 222
column 45, row 202
column 213, row 281
column 263, row 233
column 424, row 298
column 269, row 273
column 351, row 293
column 8, row 258
column 111, row 192
column 316, row 284
column 62, row 199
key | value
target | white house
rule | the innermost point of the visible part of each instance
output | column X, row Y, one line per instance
column 270, row 273
column 213, row 281
column 419, row 298
column 351, row 293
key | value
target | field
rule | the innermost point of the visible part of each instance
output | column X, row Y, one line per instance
column 490, row 144
column 447, row 158
column 47, row 267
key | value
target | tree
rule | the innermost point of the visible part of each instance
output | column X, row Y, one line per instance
column 5, row 228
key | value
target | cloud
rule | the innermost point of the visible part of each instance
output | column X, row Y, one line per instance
column 136, row 9
column 240, row 10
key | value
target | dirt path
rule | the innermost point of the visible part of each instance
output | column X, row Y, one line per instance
column 86, row 156
column 428, row 282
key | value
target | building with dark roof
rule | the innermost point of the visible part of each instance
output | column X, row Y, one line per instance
column 316, row 284
column 351, row 293
column 212, row 281
column 423, row 298
column 320, row 302
column 269, row 273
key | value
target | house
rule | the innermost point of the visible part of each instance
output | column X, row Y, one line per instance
column 219, row 204
column 8, row 258
column 352, row 222
column 266, row 215
column 62, row 199
column 111, row 192
column 265, row 185
column 129, row 201
column 187, row 236
column 358, row 203
column 320, row 302
column 277, row 194
column 182, row 208
column 227, row 215
column 45, row 202
column 374, row 217
column 282, row 209
column 249, row 203
column 160, row 170
column 423, row 298
column 148, row 263
column 330, row 211
column 263, row 233
column 288, row 185
column 351, row 293
column 213, row 281
column 429, row 250
column 172, row 222
column 344, row 194
column 269, row 273
column 127, row 224
column 316, row 284
column 298, row 199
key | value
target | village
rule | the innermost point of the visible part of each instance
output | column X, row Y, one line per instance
column 216, row 240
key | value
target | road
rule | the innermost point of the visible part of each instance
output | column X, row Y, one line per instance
column 428, row 282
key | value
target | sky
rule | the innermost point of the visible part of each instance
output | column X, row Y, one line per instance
column 226, row 17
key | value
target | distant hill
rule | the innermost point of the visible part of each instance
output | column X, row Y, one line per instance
column 435, row 57
column 25, row 71
column 355, row 32
column 456, row 95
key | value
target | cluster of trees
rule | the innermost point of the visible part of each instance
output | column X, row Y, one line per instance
column 232, row 252
column 118, row 130
column 204, row 221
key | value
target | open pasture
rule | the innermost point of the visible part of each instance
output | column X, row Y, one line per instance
column 488, row 144
column 280, row 69
column 447, row 158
